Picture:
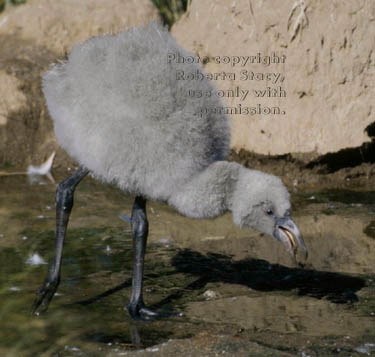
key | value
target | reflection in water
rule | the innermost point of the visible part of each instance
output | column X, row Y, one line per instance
column 135, row 336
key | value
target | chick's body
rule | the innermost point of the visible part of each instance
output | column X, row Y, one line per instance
column 119, row 110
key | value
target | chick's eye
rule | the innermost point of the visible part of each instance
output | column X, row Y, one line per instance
column 269, row 212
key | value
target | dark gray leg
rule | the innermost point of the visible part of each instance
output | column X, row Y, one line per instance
column 137, row 307
column 64, row 204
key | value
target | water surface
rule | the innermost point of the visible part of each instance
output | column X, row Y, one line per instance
column 233, row 291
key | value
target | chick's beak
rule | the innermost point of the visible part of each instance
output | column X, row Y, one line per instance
column 287, row 232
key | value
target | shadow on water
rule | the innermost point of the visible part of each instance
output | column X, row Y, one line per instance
column 125, row 284
column 263, row 276
column 253, row 273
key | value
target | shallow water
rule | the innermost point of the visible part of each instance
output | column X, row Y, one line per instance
column 233, row 291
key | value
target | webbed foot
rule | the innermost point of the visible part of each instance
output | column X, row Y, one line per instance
column 44, row 296
column 140, row 312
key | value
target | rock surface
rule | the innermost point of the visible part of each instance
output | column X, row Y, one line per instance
column 329, row 69
column 58, row 25
column 34, row 35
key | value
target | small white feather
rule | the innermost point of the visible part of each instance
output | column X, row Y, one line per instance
column 43, row 169
column 35, row 259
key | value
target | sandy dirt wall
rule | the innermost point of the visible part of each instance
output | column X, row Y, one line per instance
column 326, row 69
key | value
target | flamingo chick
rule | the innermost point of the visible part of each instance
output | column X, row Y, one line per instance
column 120, row 110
